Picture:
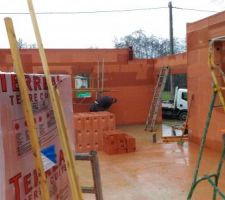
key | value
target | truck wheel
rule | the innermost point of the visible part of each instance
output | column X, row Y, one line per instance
column 182, row 116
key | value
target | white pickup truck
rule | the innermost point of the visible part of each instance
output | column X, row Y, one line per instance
column 176, row 108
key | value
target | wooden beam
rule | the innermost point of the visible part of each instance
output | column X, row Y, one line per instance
column 58, row 113
column 174, row 138
column 94, row 89
column 27, row 109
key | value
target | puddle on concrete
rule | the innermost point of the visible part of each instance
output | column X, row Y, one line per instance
column 167, row 129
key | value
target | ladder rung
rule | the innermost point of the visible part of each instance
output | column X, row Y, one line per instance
column 88, row 189
column 217, row 106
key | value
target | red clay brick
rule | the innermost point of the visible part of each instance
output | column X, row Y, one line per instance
column 78, row 122
column 111, row 121
column 97, row 140
column 131, row 144
column 110, row 143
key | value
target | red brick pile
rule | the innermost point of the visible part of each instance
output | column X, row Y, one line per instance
column 96, row 131
column 116, row 141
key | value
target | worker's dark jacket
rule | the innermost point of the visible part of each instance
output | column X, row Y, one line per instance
column 101, row 104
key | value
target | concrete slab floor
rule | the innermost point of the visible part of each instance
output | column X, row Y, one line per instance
column 167, row 127
column 153, row 172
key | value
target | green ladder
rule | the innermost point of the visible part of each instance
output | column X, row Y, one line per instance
column 212, row 178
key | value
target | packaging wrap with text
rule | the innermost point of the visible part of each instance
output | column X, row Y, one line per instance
column 18, row 177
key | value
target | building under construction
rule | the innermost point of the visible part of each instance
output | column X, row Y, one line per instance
column 119, row 153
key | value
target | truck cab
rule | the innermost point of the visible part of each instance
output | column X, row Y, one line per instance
column 177, row 107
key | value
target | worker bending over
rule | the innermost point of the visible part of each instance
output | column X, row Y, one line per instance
column 102, row 103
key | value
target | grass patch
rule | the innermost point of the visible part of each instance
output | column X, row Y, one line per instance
column 166, row 95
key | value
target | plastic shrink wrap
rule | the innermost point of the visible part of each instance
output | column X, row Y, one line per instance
column 18, row 177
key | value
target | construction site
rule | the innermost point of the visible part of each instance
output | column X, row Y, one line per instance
column 52, row 146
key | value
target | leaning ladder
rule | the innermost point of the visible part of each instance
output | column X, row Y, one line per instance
column 212, row 178
column 156, row 99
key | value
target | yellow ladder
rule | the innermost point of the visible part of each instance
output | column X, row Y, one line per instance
column 216, row 69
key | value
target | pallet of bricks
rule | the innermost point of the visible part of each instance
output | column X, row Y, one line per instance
column 97, row 131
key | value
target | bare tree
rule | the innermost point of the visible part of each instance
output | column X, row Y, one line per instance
column 149, row 46
column 23, row 45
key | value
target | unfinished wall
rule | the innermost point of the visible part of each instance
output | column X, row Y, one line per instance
column 133, row 87
column 129, row 80
column 200, row 81
column 177, row 63
column 132, row 81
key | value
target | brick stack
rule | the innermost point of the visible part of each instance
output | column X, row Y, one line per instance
column 89, row 128
column 117, row 141
column 96, row 131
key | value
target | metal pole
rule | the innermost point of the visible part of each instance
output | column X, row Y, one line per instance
column 171, row 27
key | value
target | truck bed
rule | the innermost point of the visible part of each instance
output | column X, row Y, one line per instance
column 167, row 105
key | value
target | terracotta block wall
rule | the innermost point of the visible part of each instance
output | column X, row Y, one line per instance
column 131, row 84
column 200, row 81
column 177, row 63
column 130, row 80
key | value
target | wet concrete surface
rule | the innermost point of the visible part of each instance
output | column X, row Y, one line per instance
column 169, row 131
column 172, row 127
column 153, row 172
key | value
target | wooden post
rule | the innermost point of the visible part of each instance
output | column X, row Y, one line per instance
column 103, row 71
column 58, row 113
column 27, row 109
column 98, row 80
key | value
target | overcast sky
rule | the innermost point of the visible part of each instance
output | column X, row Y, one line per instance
column 98, row 30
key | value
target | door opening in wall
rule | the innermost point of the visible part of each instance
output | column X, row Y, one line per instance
column 82, row 85
column 174, row 105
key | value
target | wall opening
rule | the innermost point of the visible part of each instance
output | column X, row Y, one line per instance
column 82, row 86
column 174, row 105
